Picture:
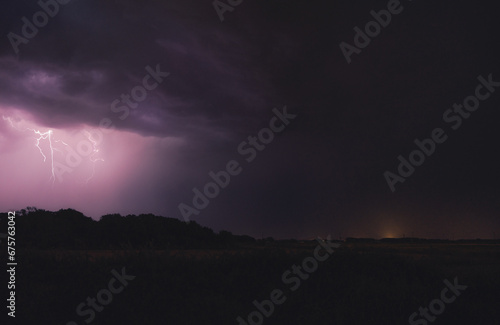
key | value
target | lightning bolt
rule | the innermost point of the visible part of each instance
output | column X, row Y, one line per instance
column 11, row 123
column 41, row 136
column 48, row 136
column 45, row 136
column 92, row 155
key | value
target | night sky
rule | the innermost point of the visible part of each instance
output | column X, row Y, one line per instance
column 214, row 83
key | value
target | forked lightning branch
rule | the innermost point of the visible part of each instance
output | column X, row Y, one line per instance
column 85, row 148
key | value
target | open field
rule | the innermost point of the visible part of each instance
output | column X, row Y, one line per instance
column 360, row 283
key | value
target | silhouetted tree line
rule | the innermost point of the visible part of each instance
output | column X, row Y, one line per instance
column 70, row 229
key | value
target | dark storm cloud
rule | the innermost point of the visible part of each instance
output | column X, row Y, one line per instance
column 92, row 52
column 326, row 170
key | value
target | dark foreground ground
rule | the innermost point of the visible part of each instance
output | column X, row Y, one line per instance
column 359, row 283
